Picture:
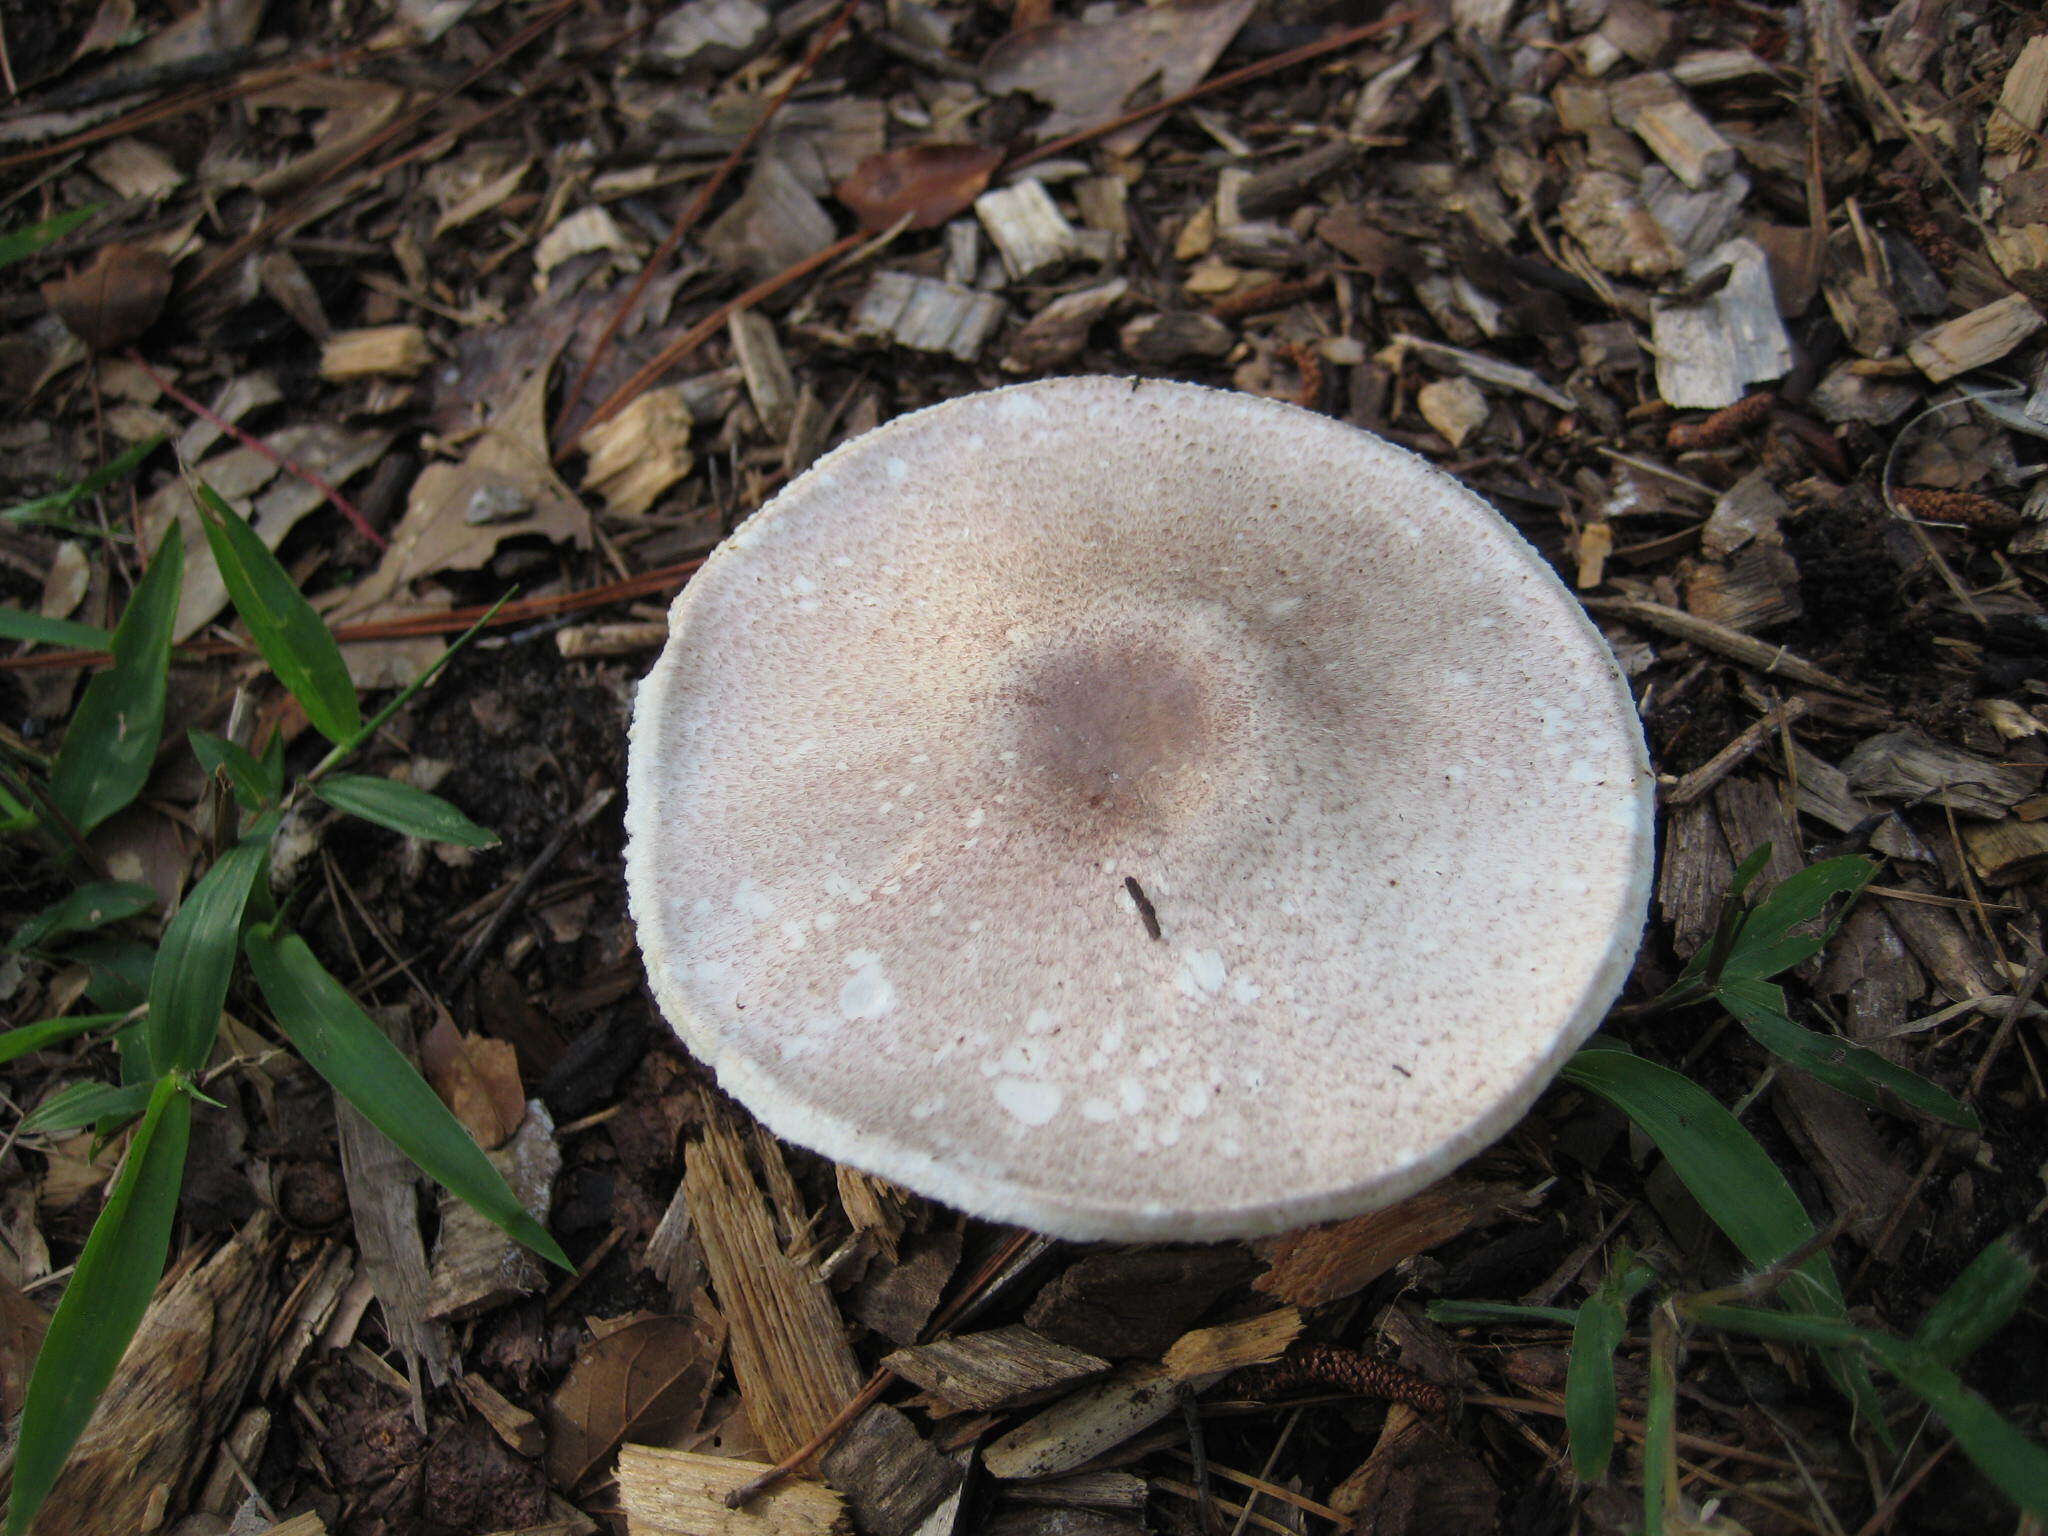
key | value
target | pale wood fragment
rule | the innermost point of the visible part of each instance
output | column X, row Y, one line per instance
column 1487, row 370
column 179, row 1381
column 2006, row 852
column 927, row 315
column 476, row 1264
column 2015, row 121
column 1908, row 765
column 308, row 1524
column 1060, row 330
column 1000, row 1369
column 1692, row 874
column 1316, row 1265
column 874, row 1207
column 378, row 351
column 520, row 1430
column 680, row 1493
column 1092, row 1490
column 1207, row 1353
column 770, row 383
column 1456, row 408
column 792, row 1362
column 588, row 229
column 639, row 453
column 1029, row 231
column 1971, row 341
column 1685, row 141
column 242, row 1448
column 1082, row 1426
column 1710, row 350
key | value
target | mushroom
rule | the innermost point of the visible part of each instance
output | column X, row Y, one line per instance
column 1135, row 810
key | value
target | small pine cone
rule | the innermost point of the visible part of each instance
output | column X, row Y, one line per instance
column 1346, row 1370
column 1980, row 514
column 1723, row 426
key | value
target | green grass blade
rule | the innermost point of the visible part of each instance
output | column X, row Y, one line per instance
column 1783, row 1327
column 54, row 508
column 89, row 907
column 34, row 628
column 1980, row 1302
column 2001, row 1451
column 1660, row 1424
column 1759, row 1006
column 1459, row 1314
column 45, row 1033
column 104, row 1302
column 403, row 809
column 82, row 1104
column 20, row 244
column 1589, row 1396
column 1767, row 944
column 256, row 782
column 291, row 636
column 1732, row 1177
column 112, row 739
column 341, row 1042
column 189, row 982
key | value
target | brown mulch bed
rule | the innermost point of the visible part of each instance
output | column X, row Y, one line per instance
column 1735, row 311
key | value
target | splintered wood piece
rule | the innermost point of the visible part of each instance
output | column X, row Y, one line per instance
column 1604, row 213
column 895, row 1300
column 1081, row 1427
column 1755, row 590
column 318, row 1298
column 520, row 1430
column 679, row 1493
column 1002, row 1368
column 765, row 367
column 1315, row 1265
column 1711, row 350
column 891, row 1476
column 1206, row 1354
column 789, row 1355
column 1027, row 227
column 2022, row 101
column 927, row 315
column 1089, row 1490
column 476, row 1264
column 308, row 1524
column 383, row 1201
column 1939, row 941
column 243, row 1448
column 636, row 455
column 2006, row 852
column 1417, row 1462
column 1685, row 141
column 874, row 1207
column 380, row 351
column 1692, row 875
column 191, row 1360
column 1908, row 765
column 1970, row 341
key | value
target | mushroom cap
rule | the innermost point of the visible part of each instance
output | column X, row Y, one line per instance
column 926, row 714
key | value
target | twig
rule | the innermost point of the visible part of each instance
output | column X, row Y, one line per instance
column 694, row 210
column 347, row 508
column 528, row 879
column 1732, row 756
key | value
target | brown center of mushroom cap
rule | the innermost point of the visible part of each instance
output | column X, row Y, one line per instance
column 1122, row 730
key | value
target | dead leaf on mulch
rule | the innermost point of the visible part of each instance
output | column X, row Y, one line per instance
column 478, row 1078
column 651, row 1376
column 926, row 183
column 115, row 299
column 1089, row 71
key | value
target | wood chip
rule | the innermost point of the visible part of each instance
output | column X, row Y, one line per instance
column 680, row 1493
column 1137, row 1301
column 789, row 1353
column 380, row 351
column 1710, row 351
column 1209, row 1353
column 1000, row 1369
column 765, row 367
column 1028, row 229
column 520, row 1430
column 638, row 454
column 1059, row 331
column 2015, row 123
column 1317, row 1265
column 178, row 1384
column 891, row 1476
column 477, row 1265
column 1973, row 340
column 927, row 315
column 1485, row 369
column 1456, row 408
column 1175, row 337
column 1084, row 1425
column 587, row 229
column 2007, row 852
column 1908, row 765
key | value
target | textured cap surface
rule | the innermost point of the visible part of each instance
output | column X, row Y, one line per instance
column 921, row 717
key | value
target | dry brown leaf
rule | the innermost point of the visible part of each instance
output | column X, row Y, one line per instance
column 926, row 183
column 115, row 299
column 1088, row 72
column 22, row 1323
column 478, row 1078
column 1322, row 1264
column 652, row 1376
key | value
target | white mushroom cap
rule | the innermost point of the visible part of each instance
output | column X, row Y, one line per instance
column 922, row 716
